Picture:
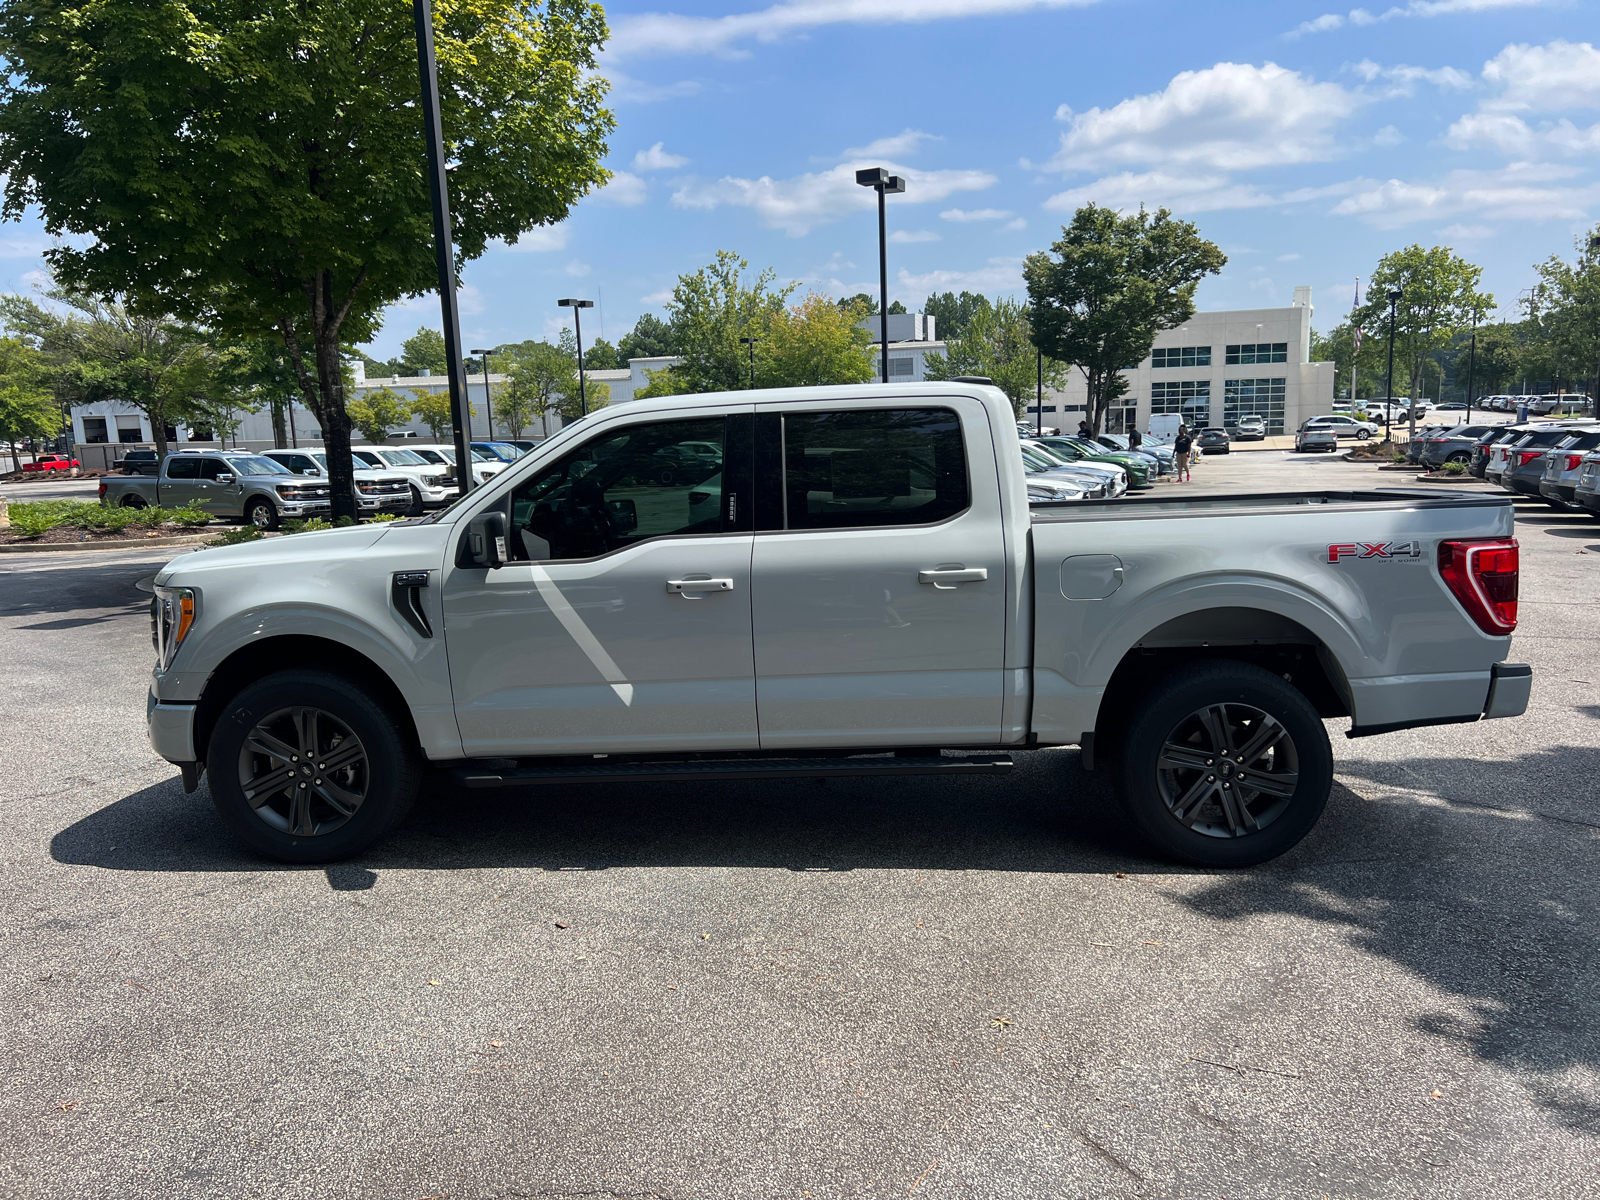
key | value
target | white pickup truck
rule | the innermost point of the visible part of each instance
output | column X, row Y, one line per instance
column 824, row 582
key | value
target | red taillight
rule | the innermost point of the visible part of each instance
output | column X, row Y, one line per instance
column 102, row 490
column 1483, row 576
column 1524, row 457
column 1573, row 460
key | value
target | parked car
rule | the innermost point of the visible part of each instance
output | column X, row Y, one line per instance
column 1343, row 426
column 1586, row 494
column 526, row 446
column 1483, row 451
column 525, row 633
column 46, row 464
column 139, row 462
column 1450, row 445
column 433, row 482
column 1518, row 466
column 1213, row 441
column 1039, row 459
column 1158, row 458
column 376, row 491
column 485, row 466
column 1252, row 427
column 1563, row 465
column 506, row 452
column 1075, row 450
column 225, row 484
column 1315, row 437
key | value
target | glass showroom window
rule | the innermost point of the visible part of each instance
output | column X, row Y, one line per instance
column 1121, row 418
column 1258, row 352
column 1258, row 397
column 1181, row 356
column 1188, row 398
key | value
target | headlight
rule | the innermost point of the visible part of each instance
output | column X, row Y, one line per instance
column 171, row 618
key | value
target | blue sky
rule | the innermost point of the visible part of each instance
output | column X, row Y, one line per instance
column 1306, row 140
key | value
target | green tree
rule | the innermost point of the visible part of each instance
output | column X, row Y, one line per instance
column 711, row 310
column 998, row 343
column 538, row 377
column 952, row 312
column 433, row 410
column 379, row 411
column 1439, row 298
column 423, row 353
column 651, row 337
column 661, row 383
column 1571, row 319
column 1496, row 362
column 570, row 404
column 28, row 409
column 815, row 342
column 1108, row 285
column 602, row 356
column 1339, row 348
column 259, row 168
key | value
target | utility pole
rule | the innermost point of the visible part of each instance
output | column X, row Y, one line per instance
column 443, row 249
column 1388, row 379
column 488, row 397
column 884, row 184
column 577, row 307
column 1472, row 363
column 751, row 342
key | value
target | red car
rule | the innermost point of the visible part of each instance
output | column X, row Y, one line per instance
column 51, row 462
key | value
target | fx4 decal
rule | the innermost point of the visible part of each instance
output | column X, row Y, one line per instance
column 1383, row 550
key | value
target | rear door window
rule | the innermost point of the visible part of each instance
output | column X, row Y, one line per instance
column 183, row 468
column 872, row 467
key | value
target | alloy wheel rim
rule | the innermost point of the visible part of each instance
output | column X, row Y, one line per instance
column 260, row 517
column 303, row 771
column 1227, row 770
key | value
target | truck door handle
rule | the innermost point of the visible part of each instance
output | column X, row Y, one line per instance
column 945, row 575
column 686, row 587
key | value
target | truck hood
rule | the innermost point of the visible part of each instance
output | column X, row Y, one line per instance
column 316, row 547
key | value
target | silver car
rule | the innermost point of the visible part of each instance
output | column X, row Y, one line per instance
column 1586, row 494
column 1564, row 465
column 1315, row 436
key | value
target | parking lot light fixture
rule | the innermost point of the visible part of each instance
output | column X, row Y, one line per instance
column 751, row 342
column 1394, row 295
column 488, row 398
column 884, row 184
column 577, row 307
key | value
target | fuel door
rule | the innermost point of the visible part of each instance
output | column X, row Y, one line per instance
column 1090, row 576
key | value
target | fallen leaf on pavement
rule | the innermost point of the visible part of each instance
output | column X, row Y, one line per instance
column 1000, row 1022
column 68, row 1105
column 1437, row 1094
column 433, row 983
column 497, row 1045
column 559, row 925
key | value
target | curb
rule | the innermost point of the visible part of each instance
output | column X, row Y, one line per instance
column 1451, row 479
column 181, row 539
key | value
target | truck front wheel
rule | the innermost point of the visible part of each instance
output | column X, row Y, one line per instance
column 1225, row 765
column 308, row 767
column 263, row 514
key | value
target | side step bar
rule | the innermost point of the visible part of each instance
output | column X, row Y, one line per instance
column 733, row 768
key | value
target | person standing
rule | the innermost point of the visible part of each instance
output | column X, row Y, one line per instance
column 1084, row 431
column 1135, row 438
column 1181, row 447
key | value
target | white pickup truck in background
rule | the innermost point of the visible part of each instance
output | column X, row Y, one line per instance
column 820, row 582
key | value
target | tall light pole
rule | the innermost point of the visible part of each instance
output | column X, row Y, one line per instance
column 1472, row 364
column 577, row 307
column 443, row 254
column 1388, row 379
column 1039, row 426
column 751, row 342
column 1594, row 398
column 884, row 184
column 488, row 398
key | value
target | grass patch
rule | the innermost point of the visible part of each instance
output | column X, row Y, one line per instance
column 1455, row 468
column 35, row 519
column 237, row 536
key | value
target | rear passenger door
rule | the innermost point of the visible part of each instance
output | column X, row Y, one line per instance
column 179, row 482
column 879, row 576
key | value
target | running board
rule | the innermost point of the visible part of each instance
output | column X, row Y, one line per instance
column 732, row 768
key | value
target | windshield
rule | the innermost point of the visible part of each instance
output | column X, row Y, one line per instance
column 1035, row 461
column 257, row 466
column 321, row 459
column 402, row 458
column 481, row 456
column 1049, row 455
column 502, row 452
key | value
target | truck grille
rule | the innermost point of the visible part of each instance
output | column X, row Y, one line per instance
column 384, row 488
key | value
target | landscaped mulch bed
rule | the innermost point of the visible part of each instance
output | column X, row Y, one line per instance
column 65, row 533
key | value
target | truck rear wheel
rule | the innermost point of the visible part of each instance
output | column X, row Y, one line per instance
column 308, row 767
column 1225, row 765
column 133, row 500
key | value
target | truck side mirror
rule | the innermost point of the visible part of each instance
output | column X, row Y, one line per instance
column 225, row 478
column 486, row 540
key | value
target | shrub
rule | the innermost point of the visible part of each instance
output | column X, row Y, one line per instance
column 237, row 535
column 341, row 523
column 32, row 519
column 1455, row 468
column 380, row 518
column 310, row 525
column 188, row 517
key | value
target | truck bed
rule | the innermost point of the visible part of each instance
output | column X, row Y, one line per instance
column 1145, row 505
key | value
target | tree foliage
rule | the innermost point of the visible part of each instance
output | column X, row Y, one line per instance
column 1569, row 317
column 1108, row 285
column 28, row 409
column 651, row 337
column 259, row 167
column 710, row 311
column 433, row 410
column 951, row 312
column 423, row 353
column 602, row 356
column 813, row 343
column 379, row 411
column 998, row 343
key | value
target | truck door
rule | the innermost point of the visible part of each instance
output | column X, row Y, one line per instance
column 179, row 482
column 221, row 488
column 622, row 620
column 880, row 577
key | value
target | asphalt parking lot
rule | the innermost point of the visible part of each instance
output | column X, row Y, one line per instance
column 961, row 988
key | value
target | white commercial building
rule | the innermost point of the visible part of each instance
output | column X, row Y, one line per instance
column 1213, row 369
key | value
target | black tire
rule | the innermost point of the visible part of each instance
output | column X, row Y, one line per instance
column 1460, row 456
column 416, row 509
column 262, row 513
column 376, row 784
column 1167, row 730
column 1363, row 434
column 132, row 500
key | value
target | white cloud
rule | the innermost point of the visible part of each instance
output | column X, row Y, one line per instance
column 1522, row 192
column 902, row 144
column 976, row 214
column 1232, row 116
column 627, row 90
column 663, row 34
column 661, row 297
column 1465, row 232
column 1548, row 78
column 1181, row 193
column 657, row 159
column 25, row 247
column 625, row 189
column 1405, row 77
column 577, row 269
column 798, row 204
column 1288, row 258
column 1416, row 8
column 907, row 236
column 1513, row 136
column 1388, row 136
column 998, row 275
column 1017, row 223
column 542, row 239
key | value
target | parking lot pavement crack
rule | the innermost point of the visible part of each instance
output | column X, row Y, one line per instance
column 1106, row 1156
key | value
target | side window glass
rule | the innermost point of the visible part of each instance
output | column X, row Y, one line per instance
column 210, row 468
column 183, row 468
column 622, row 487
column 895, row 466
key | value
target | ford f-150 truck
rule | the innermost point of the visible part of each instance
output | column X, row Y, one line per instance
column 853, row 584
column 224, row 484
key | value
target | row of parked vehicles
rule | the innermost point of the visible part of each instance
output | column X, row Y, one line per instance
column 1555, row 461
column 266, row 488
column 1075, row 467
